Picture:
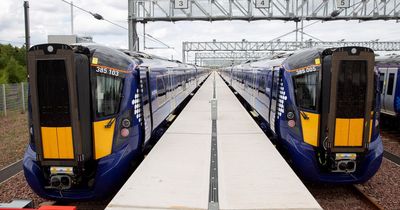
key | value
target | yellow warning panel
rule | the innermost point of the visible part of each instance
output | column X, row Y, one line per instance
column 49, row 142
column 103, row 138
column 341, row 132
column 65, row 143
column 356, row 132
column 310, row 127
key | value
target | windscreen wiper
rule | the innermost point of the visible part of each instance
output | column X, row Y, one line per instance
column 109, row 124
column 305, row 116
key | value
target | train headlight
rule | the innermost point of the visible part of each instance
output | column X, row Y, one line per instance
column 290, row 115
column 353, row 50
column 50, row 49
column 126, row 123
column 291, row 123
column 124, row 132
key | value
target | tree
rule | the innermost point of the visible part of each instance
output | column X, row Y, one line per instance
column 12, row 64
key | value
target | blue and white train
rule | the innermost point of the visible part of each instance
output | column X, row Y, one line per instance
column 92, row 110
column 322, row 107
column 389, row 84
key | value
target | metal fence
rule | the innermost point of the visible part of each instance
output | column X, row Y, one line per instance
column 13, row 97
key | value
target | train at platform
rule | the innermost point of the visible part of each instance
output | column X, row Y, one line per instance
column 321, row 106
column 389, row 84
column 92, row 111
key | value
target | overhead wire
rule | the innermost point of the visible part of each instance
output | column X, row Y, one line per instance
column 100, row 17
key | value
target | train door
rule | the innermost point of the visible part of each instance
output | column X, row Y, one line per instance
column 389, row 90
column 274, row 97
column 351, row 98
column 146, row 99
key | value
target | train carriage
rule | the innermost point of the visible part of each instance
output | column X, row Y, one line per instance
column 92, row 110
column 322, row 106
column 389, row 84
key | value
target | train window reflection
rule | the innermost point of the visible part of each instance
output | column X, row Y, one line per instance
column 306, row 90
column 381, row 81
column 107, row 95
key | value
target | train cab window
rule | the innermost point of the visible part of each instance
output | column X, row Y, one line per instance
column 107, row 95
column 306, row 86
column 390, row 84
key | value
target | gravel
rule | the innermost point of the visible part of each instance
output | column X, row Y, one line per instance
column 385, row 185
column 391, row 141
column 13, row 138
column 18, row 188
column 331, row 196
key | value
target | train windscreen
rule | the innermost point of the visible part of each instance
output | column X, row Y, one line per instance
column 52, row 87
column 107, row 95
column 306, row 86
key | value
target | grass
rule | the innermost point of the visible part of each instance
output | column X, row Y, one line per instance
column 14, row 137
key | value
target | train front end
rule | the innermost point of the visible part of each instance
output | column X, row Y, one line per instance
column 83, row 130
column 334, row 109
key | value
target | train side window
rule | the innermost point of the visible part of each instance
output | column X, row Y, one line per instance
column 390, row 84
column 262, row 84
column 305, row 89
column 381, row 81
column 161, row 90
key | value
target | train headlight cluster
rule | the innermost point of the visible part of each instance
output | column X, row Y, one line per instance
column 124, row 132
column 291, row 123
column 290, row 115
column 126, row 123
column 353, row 50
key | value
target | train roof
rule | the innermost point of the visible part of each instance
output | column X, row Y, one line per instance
column 393, row 59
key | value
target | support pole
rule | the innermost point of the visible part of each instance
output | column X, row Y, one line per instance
column 132, row 26
column 23, row 97
column 301, row 35
column 27, row 30
column 72, row 18
column 144, row 36
column 297, row 32
column 183, row 52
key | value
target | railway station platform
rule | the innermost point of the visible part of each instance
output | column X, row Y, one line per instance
column 200, row 163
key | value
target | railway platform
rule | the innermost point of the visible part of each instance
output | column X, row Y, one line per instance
column 206, row 163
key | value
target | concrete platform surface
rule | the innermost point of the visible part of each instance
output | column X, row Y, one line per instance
column 251, row 172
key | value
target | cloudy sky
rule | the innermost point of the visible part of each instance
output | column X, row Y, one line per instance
column 48, row 17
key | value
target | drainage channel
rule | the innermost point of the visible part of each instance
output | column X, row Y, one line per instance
column 213, row 203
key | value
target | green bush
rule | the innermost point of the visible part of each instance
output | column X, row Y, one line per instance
column 12, row 64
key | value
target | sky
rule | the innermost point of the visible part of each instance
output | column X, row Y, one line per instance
column 52, row 17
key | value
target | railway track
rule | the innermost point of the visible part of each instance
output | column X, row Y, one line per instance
column 10, row 170
column 392, row 157
column 371, row 200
